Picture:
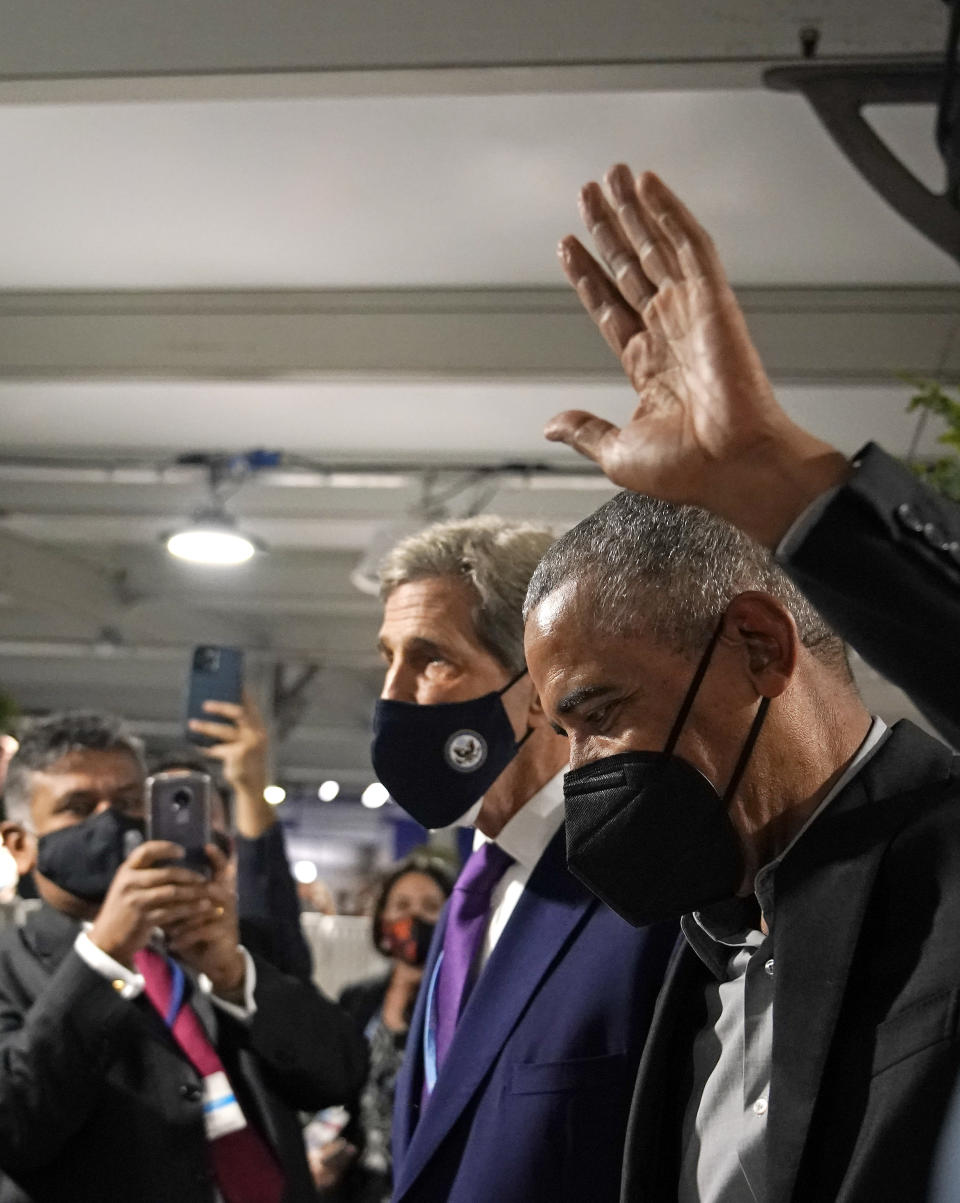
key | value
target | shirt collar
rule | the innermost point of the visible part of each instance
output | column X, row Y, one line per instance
column 526, row 834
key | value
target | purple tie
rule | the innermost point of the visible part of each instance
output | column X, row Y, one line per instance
column 466, row 923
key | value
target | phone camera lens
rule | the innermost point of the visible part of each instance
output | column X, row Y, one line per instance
column 208, row 659
column 182, row 799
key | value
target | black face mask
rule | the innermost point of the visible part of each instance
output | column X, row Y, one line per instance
column 438, row 760
column 647, row 832
column 83, row 859
column 407, row 939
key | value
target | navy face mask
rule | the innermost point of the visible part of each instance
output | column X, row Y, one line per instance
column 84, row 858
column 438, row 760
column 648, row 833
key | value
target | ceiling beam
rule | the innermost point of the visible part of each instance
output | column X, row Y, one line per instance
column 836, row 335
column 42, row 578
column 61, row 40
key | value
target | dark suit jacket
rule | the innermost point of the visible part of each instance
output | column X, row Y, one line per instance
column 532, row 1100
column 364, row 999
column 268, row 906
column 866, row 936
column 97, row 1102
column 882, row 565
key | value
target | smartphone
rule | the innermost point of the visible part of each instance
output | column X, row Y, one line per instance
column 216, row 674
column 178, row 809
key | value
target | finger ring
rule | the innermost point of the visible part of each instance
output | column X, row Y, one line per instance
column 219, row 911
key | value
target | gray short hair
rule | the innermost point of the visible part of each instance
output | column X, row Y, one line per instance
column 495, row 557
column 671, row 570
column 45, row 741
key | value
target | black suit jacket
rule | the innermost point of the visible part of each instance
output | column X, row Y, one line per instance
column 866, row 933
column 97, row 1102
column 882, row 565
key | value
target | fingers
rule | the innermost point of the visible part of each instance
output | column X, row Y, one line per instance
column 614, row 246
column 584, row 432
column 616, row 319
column 689, row 241
column 152, row 851
column 654, row 251
column 218, row 861
column 224, row 732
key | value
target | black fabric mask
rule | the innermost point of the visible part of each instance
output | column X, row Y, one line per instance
column 84, row 858
column 408, row 939
column 647, row 832
column 438, row 760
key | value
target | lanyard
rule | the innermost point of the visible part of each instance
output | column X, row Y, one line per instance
column 176, row 992
column 430, row 1031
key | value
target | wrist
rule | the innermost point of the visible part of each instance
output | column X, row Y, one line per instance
column 229, row 979
column 120, row 951
column 785, row 475
column 253, row 815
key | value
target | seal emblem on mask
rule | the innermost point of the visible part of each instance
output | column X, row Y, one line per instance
column 465, row 751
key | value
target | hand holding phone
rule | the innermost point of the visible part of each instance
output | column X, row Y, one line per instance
column 216, row 675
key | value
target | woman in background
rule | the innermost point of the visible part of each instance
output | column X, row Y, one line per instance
column 356, row 1168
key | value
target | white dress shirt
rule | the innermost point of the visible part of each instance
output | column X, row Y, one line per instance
column 130, row 984
column 525, row 837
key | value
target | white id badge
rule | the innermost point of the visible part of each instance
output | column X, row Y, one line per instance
column 221, row 1111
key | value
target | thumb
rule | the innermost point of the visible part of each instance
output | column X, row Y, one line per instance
column 584, row 432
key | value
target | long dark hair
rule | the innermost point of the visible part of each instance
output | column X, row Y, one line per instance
column 417, row 862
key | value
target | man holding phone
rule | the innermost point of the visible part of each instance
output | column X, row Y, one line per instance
column 144, row 1053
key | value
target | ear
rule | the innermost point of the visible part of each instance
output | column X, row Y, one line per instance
column 20, row 844
column 763, row 628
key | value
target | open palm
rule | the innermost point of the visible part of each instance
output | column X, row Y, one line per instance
column 706, row 415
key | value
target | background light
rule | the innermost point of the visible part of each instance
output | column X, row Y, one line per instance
column 274, row 794
column 328, row 790
column 374, row 795
column 211, row 545
column 305, row 871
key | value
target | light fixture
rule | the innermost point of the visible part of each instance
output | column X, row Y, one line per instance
column 305, row 871
column 328, row 790
column 374, row 796
column 212, row 538
column 274, row 794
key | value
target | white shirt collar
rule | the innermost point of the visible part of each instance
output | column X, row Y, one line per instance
column 526, row 835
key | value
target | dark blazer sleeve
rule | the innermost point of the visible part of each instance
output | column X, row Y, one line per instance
column 267, row 904
column 309, row 1050
column 53, row 1057
column 881, row 562
column 362, row 1000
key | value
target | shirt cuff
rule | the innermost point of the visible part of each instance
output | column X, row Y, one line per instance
column 249, row 1008
column 126, row 982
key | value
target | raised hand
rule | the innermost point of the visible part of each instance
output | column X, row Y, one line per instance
column 707, row 429
column 242, row 750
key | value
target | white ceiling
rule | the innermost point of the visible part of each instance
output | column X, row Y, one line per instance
column 375, row 192
column 419, row 420
column 417, row 191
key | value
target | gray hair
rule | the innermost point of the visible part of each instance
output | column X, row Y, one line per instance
column 672, row 570
column 495, row 557
column 45, row 741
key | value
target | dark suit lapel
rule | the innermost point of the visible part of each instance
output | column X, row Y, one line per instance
column 821, row 894
column 550, row 909
column 653, row 1133
column 50, row 934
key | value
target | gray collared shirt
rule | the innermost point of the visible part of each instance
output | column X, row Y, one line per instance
column 723, row 1149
